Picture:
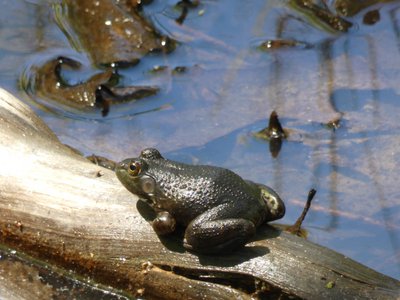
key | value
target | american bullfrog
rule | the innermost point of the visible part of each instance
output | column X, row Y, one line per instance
column 218, row 208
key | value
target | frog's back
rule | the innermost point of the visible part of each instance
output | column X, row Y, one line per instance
column 199, row 187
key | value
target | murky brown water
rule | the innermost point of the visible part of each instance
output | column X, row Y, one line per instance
column 207, row 114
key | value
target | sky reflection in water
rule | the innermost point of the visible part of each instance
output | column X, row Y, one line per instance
column 207, row 114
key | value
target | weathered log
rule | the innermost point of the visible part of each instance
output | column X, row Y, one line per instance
column 58, row 207
column 26, row 278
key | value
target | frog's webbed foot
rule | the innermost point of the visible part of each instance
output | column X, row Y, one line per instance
column 218, row 230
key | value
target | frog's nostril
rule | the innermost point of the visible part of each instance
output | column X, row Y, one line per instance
column 122, row 165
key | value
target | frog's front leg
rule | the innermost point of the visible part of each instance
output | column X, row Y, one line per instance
column 219, row 229
column 164, row 223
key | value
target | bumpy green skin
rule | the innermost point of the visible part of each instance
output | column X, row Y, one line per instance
column 219, row 209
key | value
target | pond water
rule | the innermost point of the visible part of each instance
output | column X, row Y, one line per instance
column 208, row 113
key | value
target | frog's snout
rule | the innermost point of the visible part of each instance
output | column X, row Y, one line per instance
column 121, row 171
column 121, row 166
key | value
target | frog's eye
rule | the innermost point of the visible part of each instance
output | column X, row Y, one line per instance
column 134, row 168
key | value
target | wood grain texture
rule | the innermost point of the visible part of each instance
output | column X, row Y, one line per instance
column 58, row 207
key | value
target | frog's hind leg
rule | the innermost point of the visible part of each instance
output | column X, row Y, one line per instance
column 218, row 230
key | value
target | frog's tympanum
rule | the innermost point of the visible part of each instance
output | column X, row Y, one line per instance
column 219, row 209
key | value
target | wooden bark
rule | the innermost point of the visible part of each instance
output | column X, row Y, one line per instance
column 58, row 207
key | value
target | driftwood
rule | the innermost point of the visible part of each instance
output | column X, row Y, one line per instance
column 58, row 207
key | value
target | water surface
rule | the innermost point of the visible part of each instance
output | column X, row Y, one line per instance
column 207, row 114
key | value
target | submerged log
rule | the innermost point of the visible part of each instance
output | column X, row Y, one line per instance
column 58, row 207
column 113, row 35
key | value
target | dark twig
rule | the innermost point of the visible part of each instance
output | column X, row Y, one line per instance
column 296, row 227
